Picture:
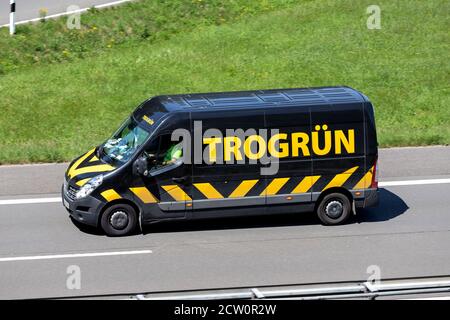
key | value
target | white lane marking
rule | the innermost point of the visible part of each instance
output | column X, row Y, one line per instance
column 430, row 298
column 75, row 255
column 413, row 182
column 381, row 184
column 56, row 15
column 33, row 200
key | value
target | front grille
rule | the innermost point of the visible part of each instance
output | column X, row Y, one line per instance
column 71, row 192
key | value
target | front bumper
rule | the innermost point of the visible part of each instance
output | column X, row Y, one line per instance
column 85, row 210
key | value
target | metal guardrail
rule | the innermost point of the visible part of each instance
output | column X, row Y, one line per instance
column 367, row 290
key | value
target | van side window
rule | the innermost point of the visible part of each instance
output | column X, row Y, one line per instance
column 166, row 152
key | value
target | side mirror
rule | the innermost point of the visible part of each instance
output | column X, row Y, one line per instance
column 140, row 166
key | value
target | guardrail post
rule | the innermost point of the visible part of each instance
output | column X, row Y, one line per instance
column 12, row 12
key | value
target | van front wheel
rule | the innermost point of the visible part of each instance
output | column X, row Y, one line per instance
column 335, row 208
column 119, row 220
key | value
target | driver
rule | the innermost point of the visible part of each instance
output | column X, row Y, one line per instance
column 174, row 153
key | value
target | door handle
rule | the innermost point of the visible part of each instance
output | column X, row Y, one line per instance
column 179, row 180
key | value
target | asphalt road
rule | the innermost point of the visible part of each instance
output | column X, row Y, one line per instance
column 408, row 235
column 29, row 9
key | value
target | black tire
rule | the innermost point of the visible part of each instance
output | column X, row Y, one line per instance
column 119, row 220
column 334, row 209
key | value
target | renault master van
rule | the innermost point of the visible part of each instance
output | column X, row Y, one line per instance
column 248, row 153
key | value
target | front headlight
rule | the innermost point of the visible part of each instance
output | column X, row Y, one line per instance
column 90, row 186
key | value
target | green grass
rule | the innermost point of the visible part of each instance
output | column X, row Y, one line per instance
column 52, row 111
column 127, row 25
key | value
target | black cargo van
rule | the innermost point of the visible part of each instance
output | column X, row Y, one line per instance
column 230, row 154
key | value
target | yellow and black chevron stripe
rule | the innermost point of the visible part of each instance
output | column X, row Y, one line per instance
column 249, row 188
column 86, row 167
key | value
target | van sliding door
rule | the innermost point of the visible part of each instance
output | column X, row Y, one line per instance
column 227, row 184
column 291, row 183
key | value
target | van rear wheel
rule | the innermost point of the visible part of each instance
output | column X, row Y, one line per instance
column 335, row 208
column 119, row 220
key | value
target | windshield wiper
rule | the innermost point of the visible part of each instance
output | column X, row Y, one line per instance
column 101, row 154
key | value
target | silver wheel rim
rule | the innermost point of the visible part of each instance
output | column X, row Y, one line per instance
column 119, row 220
column 334, row 209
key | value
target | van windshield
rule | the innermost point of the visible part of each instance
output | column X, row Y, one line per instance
column 124, row 143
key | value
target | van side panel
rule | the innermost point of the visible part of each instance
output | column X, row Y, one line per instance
column 295, row 168
column 342, row 166
column 232, row 185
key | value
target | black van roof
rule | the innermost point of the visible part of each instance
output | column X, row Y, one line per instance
column 262, row 98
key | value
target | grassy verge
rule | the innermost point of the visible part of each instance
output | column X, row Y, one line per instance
column 130, row 24
column 54, row 111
